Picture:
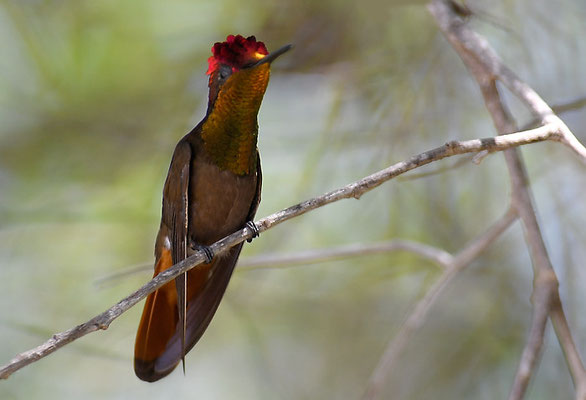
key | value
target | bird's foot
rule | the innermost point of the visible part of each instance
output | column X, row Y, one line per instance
column 255, row 231
column 207, row 251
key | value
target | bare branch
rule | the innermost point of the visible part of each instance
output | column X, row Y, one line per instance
column 417, row 317
column 485, row 64
column 569, row 106
column 459, row 163
column 486, row 67
column 532, row 350
column 353, row 190
column 571, row 353
column 571, row 141
column 270, row 261
column 126, row 271
column 477, row 158
column 101, row 321
column 559, row 109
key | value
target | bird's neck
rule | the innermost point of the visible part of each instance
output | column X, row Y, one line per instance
column 230, row 130
column 230, row 139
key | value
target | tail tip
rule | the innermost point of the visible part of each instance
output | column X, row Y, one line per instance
column 146, row 371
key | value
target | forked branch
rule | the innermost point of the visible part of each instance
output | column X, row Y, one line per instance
column 353, row 190
column 487, row 68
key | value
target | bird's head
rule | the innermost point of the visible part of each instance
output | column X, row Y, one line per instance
column 239, row 70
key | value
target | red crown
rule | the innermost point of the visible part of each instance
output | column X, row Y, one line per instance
column 236, row 51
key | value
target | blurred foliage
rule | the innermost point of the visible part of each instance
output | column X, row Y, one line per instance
column 95, row 94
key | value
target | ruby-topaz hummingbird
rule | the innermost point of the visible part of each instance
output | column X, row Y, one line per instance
column 212, row 189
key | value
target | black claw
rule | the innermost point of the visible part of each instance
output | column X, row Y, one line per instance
column 209, row 253
column 255, row 232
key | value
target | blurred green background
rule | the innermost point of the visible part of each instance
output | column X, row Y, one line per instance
column 95, row 94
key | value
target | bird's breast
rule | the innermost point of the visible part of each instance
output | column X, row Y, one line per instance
column 220, row 201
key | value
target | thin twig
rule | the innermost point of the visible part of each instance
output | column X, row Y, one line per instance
column 353, row 190
column 562, row 329
column 559, row 109
column 270, row 261
column 417, row 317
column 459, row 163
column 532, row 351
column 126, row 271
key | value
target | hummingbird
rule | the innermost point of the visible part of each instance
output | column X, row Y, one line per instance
column 212, row 189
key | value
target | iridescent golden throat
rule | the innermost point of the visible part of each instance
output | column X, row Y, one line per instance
column 231, row 129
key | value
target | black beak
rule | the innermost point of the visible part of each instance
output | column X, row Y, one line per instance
column 269, row 58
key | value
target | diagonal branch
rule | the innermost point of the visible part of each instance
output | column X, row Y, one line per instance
column 532, row 351
column 352, row 190
column 562, row 330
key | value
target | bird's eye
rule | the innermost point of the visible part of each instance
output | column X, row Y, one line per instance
column 225, row 71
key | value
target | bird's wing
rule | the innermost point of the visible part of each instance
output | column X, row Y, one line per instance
column 256, row 199
column 165, row 308
column 164, row 336
column 204, row 297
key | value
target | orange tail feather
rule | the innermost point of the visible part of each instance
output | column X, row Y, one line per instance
column 159, row 321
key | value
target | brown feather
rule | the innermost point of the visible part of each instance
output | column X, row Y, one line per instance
column 157, row 324
column 212, row 189
column 220, row 202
